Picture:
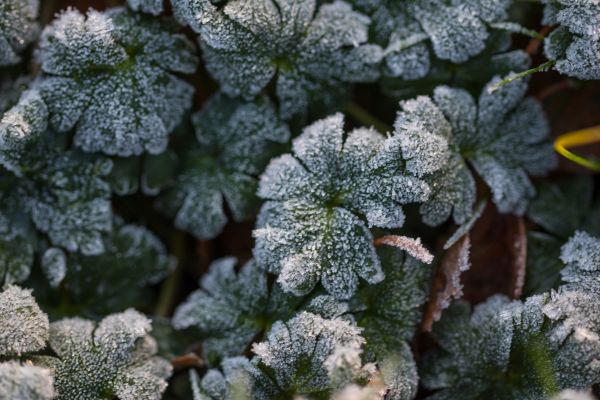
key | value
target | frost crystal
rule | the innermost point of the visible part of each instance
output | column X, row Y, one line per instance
column 110, row 76
column 456, row 30
column 23, row 325
column 18, row 28
column 23, row 381
column 581, row 254
column 297, row 352
column 311, row 229
column 235, row 141
column 154, row 7
column 310, row 49
column 451, row 129
column 115, row 357
column 575, row 44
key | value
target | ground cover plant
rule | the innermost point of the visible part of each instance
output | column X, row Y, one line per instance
column 299, row 199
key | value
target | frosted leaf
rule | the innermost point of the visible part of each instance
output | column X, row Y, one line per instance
column 18, row 28
column 573, row 395
column 238, row 379
column 25, row 381
column 356, row 392
column 130, row 250
column 305, row 47
column 111, row 357
column 562, row 207
column 581, row 254
column 110, row 76
column 235, row 140
column 23, row 325
column 17, row 237
column 20, row 128
column 295, row 351
column 478, row 133
column 455, row 30
column 69, row 200
column 227, row 309
column 399, row 373
column 390, row 320
column 575, row 44
column 154, row 7
column 54, row 265
column 312, row 229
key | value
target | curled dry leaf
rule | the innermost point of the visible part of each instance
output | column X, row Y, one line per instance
column 446, row 283
column 414, row 247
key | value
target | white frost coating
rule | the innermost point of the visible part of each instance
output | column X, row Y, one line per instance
column 18, row 28
column 24, row 381
column 54, row 265
column 441, row 135
column 23, row 325
column 235, row 139
column 309, row 48
column 110, row 76
column 297, row 351
column 117, row 357
column 311, row 229
column 575, row 44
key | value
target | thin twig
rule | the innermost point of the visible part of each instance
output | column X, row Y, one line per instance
column 171, row 284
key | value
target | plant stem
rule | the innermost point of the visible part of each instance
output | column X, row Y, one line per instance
column 171, row 284
column 361, row 115
column 540, row 68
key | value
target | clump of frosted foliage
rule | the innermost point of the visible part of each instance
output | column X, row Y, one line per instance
column 63, row 191
column 234, row 142
column 321, row 202
column 575, row 44
column 550, row 341
column 501, row 135
column 309, row 49
column 231, row 308
column 154, row 7
column 25, row 381
column 110, row 75
column 18, row 28
column 23, row 325
column 115, row 356
column 454, row 30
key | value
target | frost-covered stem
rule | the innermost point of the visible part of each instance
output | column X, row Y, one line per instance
column 540, row 68
column 169, row 287
column 534, row 45
column 361, row 115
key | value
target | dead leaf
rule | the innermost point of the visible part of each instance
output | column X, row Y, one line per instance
column 516, row 242
column 187, row 361
column 447, row 284
column 414, row 247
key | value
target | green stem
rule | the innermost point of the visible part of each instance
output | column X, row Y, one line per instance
column 361, row 115
column 541, row 68
column 171, row 284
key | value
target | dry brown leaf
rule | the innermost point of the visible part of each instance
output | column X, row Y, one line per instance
column 447, row 284
column 516, row 242
column 186, row 361
column 414, row 247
